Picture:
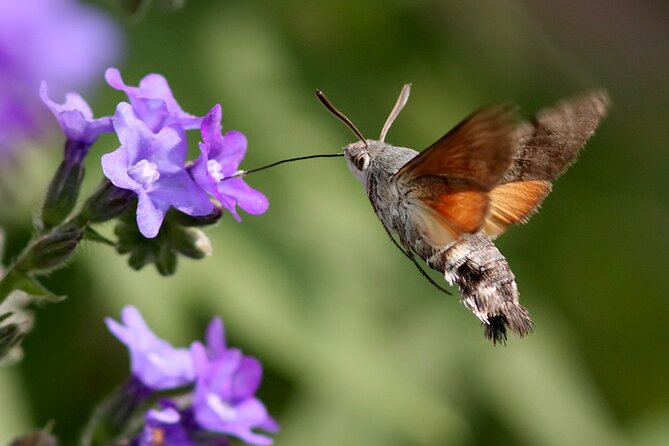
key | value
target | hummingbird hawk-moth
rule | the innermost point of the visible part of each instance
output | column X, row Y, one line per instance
column 447, row 203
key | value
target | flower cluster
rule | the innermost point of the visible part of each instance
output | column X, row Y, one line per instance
column 224, row 382
column 66, row 42
column 151, row 160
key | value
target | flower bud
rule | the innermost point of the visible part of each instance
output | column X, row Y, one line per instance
column 51, row 250
column 64, row 189
column 116, row 413
column 192, row 243
column 106, row 203
column 163, row 249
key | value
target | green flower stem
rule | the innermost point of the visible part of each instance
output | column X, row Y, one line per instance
column 53, row 249
column 48, row 252
column 54, row 242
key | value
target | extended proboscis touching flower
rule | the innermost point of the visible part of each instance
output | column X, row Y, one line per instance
column 224, row 398
column 220, row 156
column 153, row 361
column 153, row 101
column 152, row 165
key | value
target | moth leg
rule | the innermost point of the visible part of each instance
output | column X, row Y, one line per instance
column 411, row 257
column 409, row 254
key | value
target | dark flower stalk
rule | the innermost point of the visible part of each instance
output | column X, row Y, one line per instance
column 115, row 414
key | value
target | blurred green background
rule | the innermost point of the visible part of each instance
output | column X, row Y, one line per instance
column 358, row 348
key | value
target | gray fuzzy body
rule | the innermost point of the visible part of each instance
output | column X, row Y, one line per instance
column 486, row 284
column 533, row 154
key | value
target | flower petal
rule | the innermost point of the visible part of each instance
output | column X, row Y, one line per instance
column 133, row 134
column 75, row 117
column 249, row 199
column 150, row 214
column 173, row 149
column 233, row 149
column 153, row 101
column 246, row 380
column 179, row 190
column 216, row 338
column 115, row 167
column 154, row 362
column 115, row 80
column 133, row 319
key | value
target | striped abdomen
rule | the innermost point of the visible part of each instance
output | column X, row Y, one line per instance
column 487, row 285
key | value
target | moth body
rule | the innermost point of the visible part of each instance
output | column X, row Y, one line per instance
column 473, row 263
column 447, row 203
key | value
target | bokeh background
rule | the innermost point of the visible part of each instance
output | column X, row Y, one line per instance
column 358, row 349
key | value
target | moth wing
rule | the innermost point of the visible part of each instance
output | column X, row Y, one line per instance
column 552, row 140
column 446, row 186
column 512, row 203
column 548, row 145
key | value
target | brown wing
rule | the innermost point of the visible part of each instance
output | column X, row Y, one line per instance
column 512, row 203
column 447, row 185
column 549, row 144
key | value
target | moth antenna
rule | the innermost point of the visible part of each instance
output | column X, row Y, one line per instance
column 397, row 108
column 342, row 117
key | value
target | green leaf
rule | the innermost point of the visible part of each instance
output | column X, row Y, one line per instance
column 20, row 281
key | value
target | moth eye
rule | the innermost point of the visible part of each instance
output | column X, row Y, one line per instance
column 361, row 161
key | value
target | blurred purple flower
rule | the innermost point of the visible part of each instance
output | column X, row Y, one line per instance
column 220, row 156
column 215, row 336
column 152, row 165
column 164, row 427
column 153, row 101
column 76, row 119
column 65, row 42
column 225, row 386
column 153, row 361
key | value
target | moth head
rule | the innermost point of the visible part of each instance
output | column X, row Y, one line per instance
column 357, row 156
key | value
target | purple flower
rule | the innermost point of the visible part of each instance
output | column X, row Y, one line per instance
column 153, row 101
column 152, row 165
column 76, row 118
column 215, row 336
column 65, row 42
column 220, row 156
column 164, row 427
column 153, row 361
column 225, row 386
column 20, row 116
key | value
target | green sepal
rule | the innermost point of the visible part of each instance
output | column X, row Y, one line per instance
column 17, row 280
column 94, row 236
column 62, row 194
column 51, row 251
